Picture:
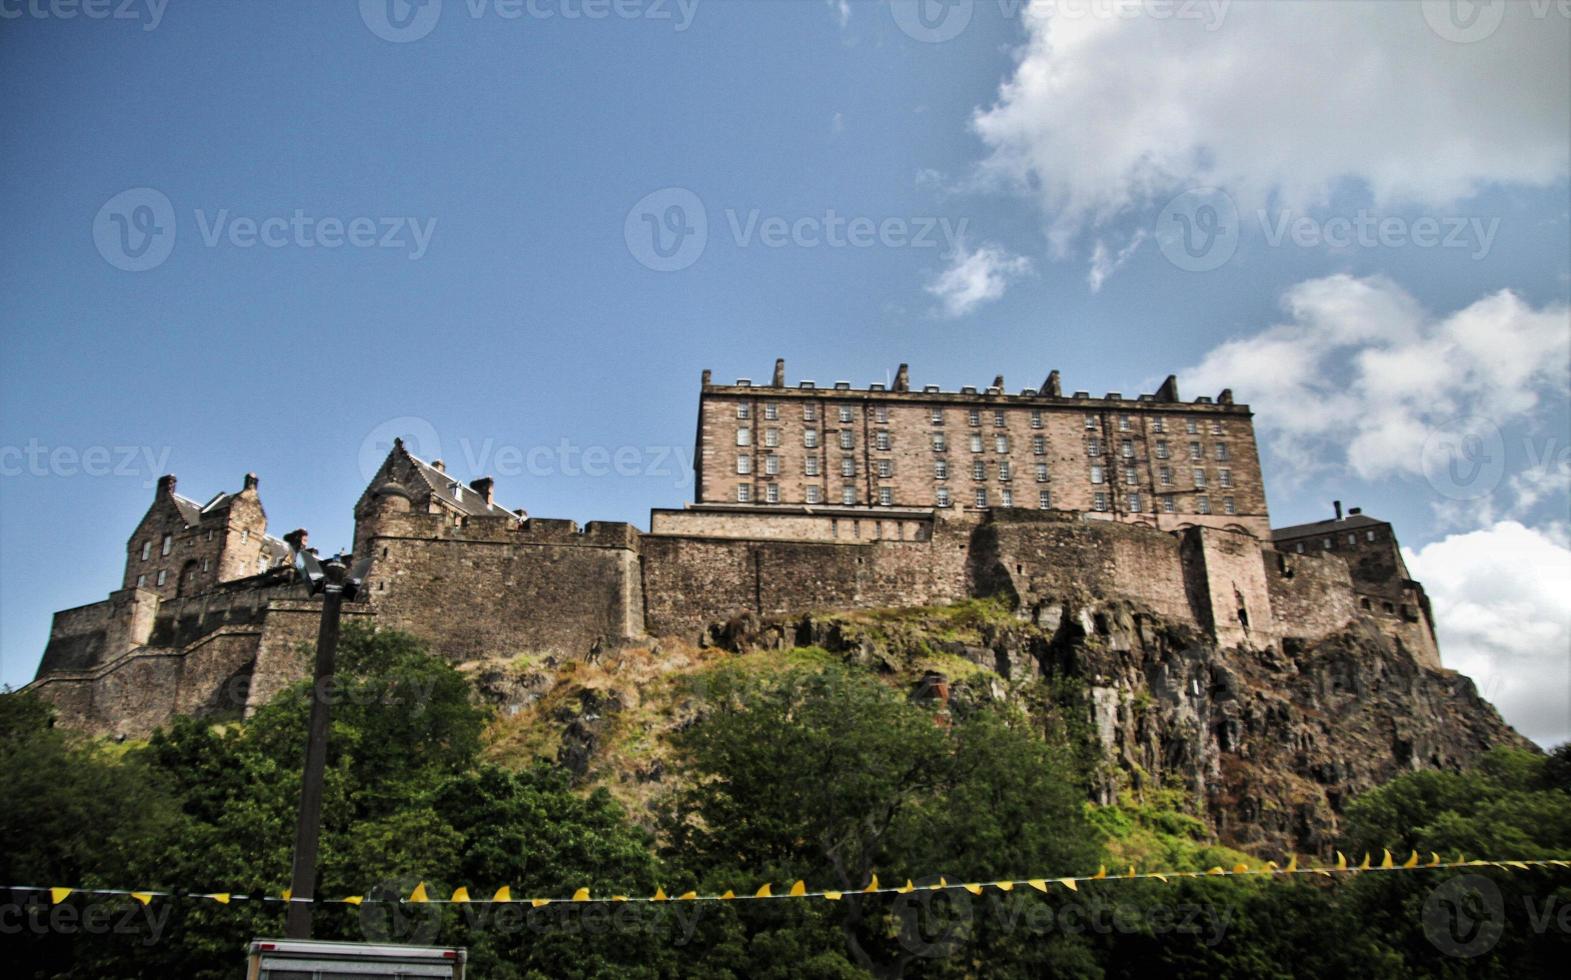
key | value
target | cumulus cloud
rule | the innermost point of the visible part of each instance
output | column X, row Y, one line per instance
column 1276, row 102
column 1502, row 601
column 1104, row 263
column 1359, row 375
column 976, row 277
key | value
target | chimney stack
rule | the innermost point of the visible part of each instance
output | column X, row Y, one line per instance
column 779, row 378
column 707, row 378
column 998, row 382
column 296, row 539
column 1338, row 505
column 250, row 482
column 903, row 378
column 483, row 487
column 439, row 466
column 1226, row 397
column 166, row 484
column 1052, row 387
column 1169, row 390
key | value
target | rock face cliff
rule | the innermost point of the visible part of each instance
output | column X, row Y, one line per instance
column 1273, row 742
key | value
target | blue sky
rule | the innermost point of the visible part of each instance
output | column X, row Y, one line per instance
column 1024, row 178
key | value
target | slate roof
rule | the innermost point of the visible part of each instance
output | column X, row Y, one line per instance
column 455, row 493
column 1331, row 526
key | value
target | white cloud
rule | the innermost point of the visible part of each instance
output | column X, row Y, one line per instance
column 1502, row 601
column 1277, row 103
column 841, row 9
column 1104, row 263
column 976, row 277
column 1360, row 375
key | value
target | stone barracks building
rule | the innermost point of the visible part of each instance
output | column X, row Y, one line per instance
column 808, row 498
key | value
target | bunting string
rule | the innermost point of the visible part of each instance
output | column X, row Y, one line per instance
column 800, row 890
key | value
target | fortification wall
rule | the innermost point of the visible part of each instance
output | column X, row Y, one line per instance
column 476, row 588
column 1312, row 595
column 814, row 524
column 88, row 636
column 1227, row 585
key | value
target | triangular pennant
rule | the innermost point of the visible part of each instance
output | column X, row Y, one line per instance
column 764, row 892
column 1216, row 871
column 1385, row 860
column 799, row 889
column 1161, row 878
column 1364, row 864
column 1292, row 865
column 58, row 895
column 1434, row 860
column 1040, row 884
column 1341, row 861
column 1412, row 860
column 729, row 894
column 973, row 889
column 1240, row 869
column 460, row 894
column 618, row 898
column 1005, row 886
column 907, row 888
column 1069, row 883
column 872, row 886
column 536, row 903
column 1101, row 872
column 503, row 894
column 354, row 900
column 222, row 898
column 582, row 895
column 418, row 895
column 289, row 895
column 832, row 896
column 687, row 896
column 659, row 895
column 143, row 897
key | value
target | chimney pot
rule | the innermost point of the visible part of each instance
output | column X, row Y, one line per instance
column 1338, row 505
column 903, row 378
column 1052, row 387
column 779, row 378
column 166, row 484
column 707, row 378
column 296, row 539
column 483, row 487
column 250, row 481
column 439, row 466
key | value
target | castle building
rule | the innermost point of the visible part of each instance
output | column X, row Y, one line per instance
column 807, row 499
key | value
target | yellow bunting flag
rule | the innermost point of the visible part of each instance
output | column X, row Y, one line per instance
column 729, row 894
column 354, row 900
column 1412, row 861
column 536, row 903
column 799, row 889
column 618, row 898
column 1341, row 861
column 58, row 895
column 1272, row 867
column 907, row 888
column 288, row 895
column 1101, row 872
column 1240, row 869
column 687, row 896
column 1005, row 886
column 1517, row 864
column 1216, row 871
column 1385, row 861
column 143, row 897
column 1069, row 883
column 1131, row 873
column 872, row 886
column 1040, row 884
column 1292, row 865
column 1434, row 860
column 973, row 889
column 222, row 898
column 418, row 895
column 942, row 883
column 460, row 894
column 503, row 894
column 1364, row 865
column 832, row 896
column 1161, row 878
column 764, row 892
column 659, row 895
column 582, row 895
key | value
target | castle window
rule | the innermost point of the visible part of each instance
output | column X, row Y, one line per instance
column 811, row 466
column 940, row 469
column 998, row 419
column 939, row 445
column 1216, row 427
column 881, row 413
column 1229, row 506
column 1191, row 426
column 772, row 493
column 1202, row 504
column 1039, row 445
column 1001, row 444
column 141, row 581
column 1099, row 501
column 1041, row 472
column 1126, row 449
column 848, row 495
column 1327, row 544
column 813, row 496
column 1131, row 477
column 847, row 438
column 744, row 493
column 1165, row 474
column 742, row 410
column 938, row 416
column 771, row 437
column 1352, row 539
column 209, row 534
column 810, row 438
column 1168, row 506
column 845, row 413
column 1036, row 418
column 772, row 464
column 1161, row 449
column 1097, row 475
column 207, row 562
column 1134, row 503
column 809, row 412
column 1093, row 447
column 147, row 550
column 1369, row 535
column 942, row 497
column 1090, row 422
column 976, row 443
column 1194, row 451
column 1159, row 424
column 1125, row 423
column 848, row 466
column 886, row 496
column 1224, row 477
column 1006, row 497
column 881, row 441
column 886, row 469
column 169, row 544
column 981, row 496
column 974, row 417
column 163, row 576
column 771, row 410
column 1221, row 451
column 1003, row 469
column 1200, row 477
column 1299, row 547
column 979, row 470
column 744, row 437
column 744, row 465
column 1044, row 499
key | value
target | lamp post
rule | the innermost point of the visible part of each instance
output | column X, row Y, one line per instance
column 335, row 581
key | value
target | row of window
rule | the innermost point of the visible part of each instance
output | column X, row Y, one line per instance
column 979, row 471
column 883, row 442
column 1328, row 543
column 846, row 413
column 168, row 543
column 1134, row 503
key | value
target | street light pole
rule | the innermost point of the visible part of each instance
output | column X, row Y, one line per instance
column 336, row 582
